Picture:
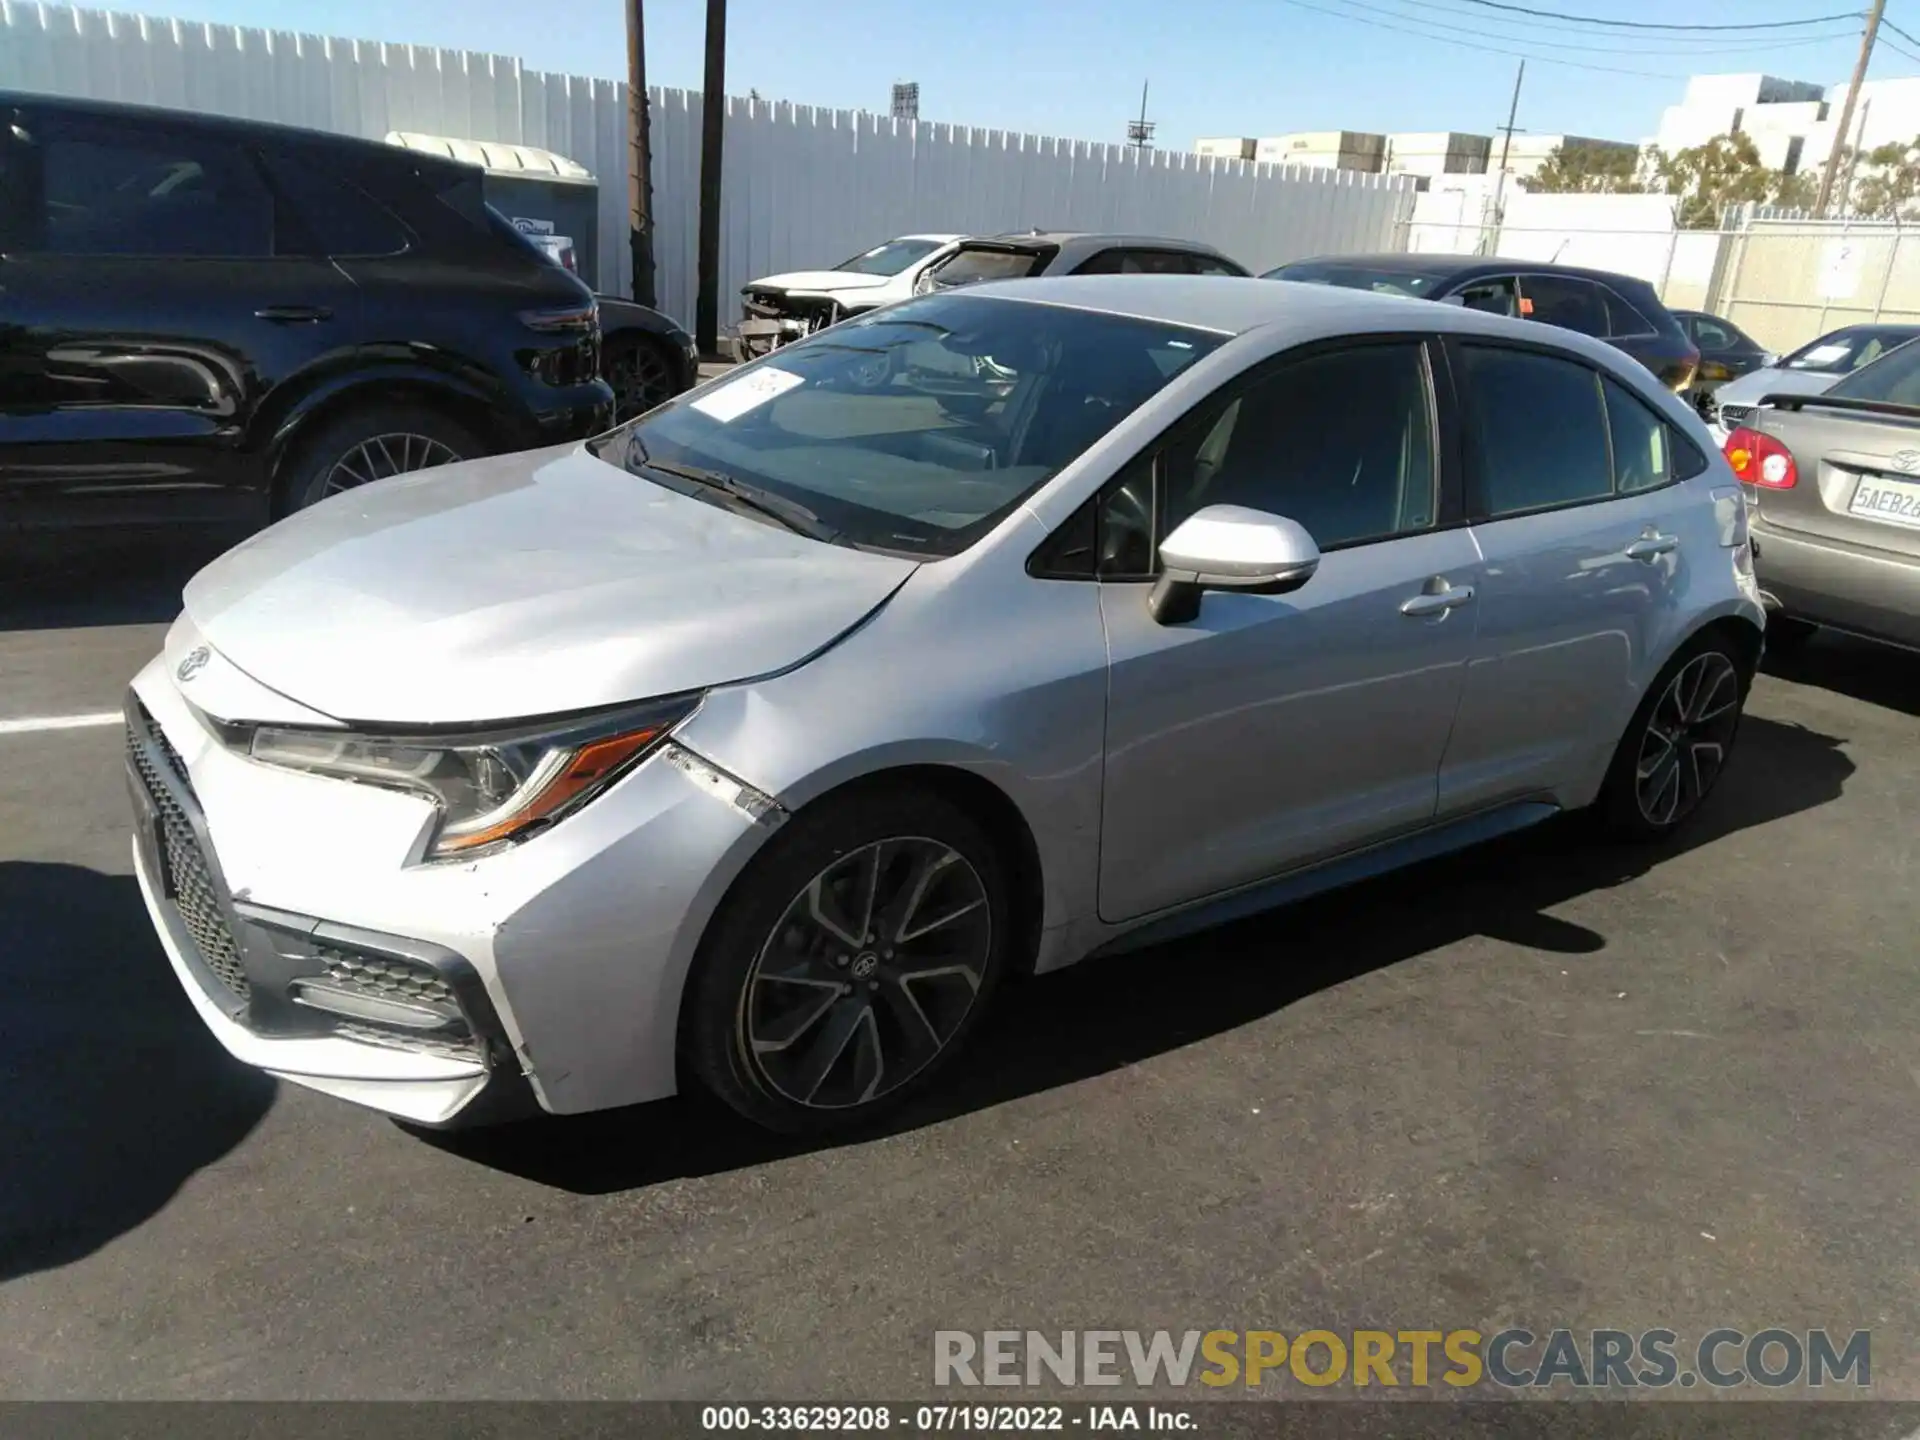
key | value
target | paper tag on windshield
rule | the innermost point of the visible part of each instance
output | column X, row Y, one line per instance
column 735, row 398
column 1824, row 355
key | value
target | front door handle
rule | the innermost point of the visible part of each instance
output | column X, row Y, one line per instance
column 293, row 314
column 1651, row 546
column 1435, row 602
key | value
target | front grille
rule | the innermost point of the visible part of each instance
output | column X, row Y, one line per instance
column 450, row 1047
column 388, row 978
column 1733, row 416
column 194, row 896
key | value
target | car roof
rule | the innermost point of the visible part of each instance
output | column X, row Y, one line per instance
column 232, row 127
column 1460, row 267
column 943, row 239
column 1229, row 305
column 1092, row 237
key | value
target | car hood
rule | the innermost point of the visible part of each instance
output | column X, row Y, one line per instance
column 1756, row 385
column 523, row 585
column 821, row 281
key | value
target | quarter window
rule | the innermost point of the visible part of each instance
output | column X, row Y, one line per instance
column 1624, row 319
column 1539, row 430
column 1341, row 442
column 152, row 194
column 1643, row 456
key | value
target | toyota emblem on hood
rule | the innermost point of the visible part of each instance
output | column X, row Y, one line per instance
column 195, row 661
column 1906, row 461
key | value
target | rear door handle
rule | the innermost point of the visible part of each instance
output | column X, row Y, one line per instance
column 1434, row 602
column 293, row 314
column 1650, row 547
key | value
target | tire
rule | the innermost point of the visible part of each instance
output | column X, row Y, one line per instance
column 1788, row 634
column 641, row 371
column 1704, row 689
column 372, row 443
column 762, row 1027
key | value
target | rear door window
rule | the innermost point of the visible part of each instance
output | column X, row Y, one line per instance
column 327, row 215
column 1538, row 431
column 112, row 190
column 1569, row 303
column 1137, row 262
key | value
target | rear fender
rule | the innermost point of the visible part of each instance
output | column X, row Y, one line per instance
column 466, row 395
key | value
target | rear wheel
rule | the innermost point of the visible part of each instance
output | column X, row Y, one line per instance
column 1678, row 743
column 850, row 962
column 376, row 443
column 640, row 372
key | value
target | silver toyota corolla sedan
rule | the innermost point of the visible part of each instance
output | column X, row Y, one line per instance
column 756, row 742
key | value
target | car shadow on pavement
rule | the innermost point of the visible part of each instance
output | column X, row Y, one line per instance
column 1110, row 1013
column 114, row 1092
column 1881, row 675
column 111, row 580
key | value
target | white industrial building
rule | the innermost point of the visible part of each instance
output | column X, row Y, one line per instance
column 1792, row 122
column 1427, row 154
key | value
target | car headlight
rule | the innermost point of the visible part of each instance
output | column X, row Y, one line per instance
column 491, row 789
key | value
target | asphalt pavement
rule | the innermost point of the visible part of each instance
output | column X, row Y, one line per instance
column 1544, row 1083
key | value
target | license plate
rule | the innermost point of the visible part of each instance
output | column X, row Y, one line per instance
column 1895, row 501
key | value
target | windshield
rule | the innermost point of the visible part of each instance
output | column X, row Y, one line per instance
column 917, row 428
column 890, row 258
column 1894, row 376
column 1845, row 351
column 1358, row 277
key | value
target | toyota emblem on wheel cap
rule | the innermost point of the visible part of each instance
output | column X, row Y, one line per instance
column 195, row 662
column 1907, row 461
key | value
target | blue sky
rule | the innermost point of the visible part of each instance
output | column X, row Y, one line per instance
column 1074, row 67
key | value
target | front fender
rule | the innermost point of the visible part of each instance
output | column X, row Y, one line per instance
column 288, row 411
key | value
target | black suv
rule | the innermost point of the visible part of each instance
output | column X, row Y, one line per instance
column 1619, row 309
column 218, row 320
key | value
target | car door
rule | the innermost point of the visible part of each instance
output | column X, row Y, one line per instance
column 1275, row 730
column 152, row 315
column 1585, row 531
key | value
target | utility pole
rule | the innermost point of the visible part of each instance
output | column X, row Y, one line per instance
column 639, row 157
column 1846, row 111
column 713, row 121
column 1140, row 132
column 1506, row 143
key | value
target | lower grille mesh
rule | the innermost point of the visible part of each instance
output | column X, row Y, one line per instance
column 194, row 898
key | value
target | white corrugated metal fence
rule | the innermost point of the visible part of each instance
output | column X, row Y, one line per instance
column 804, row 188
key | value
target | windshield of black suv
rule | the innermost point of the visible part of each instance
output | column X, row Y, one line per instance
column 917, row 428
column 1359, row 277
column 1844, row 351
column 890, row 258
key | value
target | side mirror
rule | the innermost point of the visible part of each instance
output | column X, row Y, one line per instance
column 1229, row 547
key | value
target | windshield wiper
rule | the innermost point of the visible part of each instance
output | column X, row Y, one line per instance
column 793, row 515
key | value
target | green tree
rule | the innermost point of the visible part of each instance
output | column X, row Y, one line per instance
column 1725, row 171
column 1579, row 169
column 1886, row 182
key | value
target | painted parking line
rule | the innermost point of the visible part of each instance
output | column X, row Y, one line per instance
column 32, row 723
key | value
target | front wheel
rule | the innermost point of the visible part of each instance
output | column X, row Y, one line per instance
column 371, row 444
column 850, row 962
column 1678, row 743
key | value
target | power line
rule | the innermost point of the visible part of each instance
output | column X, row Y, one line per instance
column 1483, row 48
column 1656, row 24
column 1461, row 7
column 1898, row 49
column 1587, row 47
column 1886, row 24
